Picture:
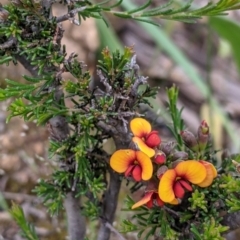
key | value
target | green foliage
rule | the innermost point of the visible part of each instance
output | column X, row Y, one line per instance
column 82, row 163
column 52, row 195
column 177, row 122
column 28, row 231
column 198, row 201
column 211, row 229
column 183, row 13
column 199, row 210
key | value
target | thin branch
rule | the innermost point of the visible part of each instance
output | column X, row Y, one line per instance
column 26, row 64
column 70, row 15
column 114, row 230
column 104, row 81
column 107, row 128
column 171, row 211
column 9, row 43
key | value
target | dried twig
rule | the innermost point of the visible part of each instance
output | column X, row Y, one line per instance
column 112, row 229
column 70, row 15
column 9, row 43
column 104, row 81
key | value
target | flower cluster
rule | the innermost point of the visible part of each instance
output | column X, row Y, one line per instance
column 168, row 184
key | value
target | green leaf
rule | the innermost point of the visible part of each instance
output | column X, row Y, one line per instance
column 230, row 31
column 6, row 59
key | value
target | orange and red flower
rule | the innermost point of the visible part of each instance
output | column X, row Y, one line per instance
column 144, row 137
column 150, row 199
column 175, row 182
column 133, row 163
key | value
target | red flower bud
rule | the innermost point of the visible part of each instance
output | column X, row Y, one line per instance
column 152, row 139
column 160, row 157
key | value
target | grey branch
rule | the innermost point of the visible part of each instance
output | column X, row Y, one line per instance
column 70, row 15
column 140, row 80
column 109, row 204
column 76, row 222
column 23, row 60
column 112, row 229
column 107, row 128
column 9, row 43
column 104, row 81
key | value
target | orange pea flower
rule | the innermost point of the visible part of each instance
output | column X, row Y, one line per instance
column 144, row 137
column 133, row 163
column 175, row 182
column 150, row 199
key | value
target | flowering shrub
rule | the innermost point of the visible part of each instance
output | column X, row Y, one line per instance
column 183, row 194
column 173, row 182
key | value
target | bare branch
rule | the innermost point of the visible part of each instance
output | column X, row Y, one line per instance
column 104, row 81
column 23, row 60
column 140, row 80
column 70, row 15
column 107, row 128
column 114, row 230
column 9, row 43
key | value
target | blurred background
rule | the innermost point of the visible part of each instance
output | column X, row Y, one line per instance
column 202, row 59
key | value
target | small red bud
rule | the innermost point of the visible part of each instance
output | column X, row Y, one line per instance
column 160, row 157
column 152, row 139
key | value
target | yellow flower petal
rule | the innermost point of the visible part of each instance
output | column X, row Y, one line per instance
column 140, row 127
column 144, row 200
column 212, row 166
column 121, row 159
column 174, row 201
column 143, row 147
column 146, row 165
column 211, row 174
column 191, row 170
column 165, row 188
